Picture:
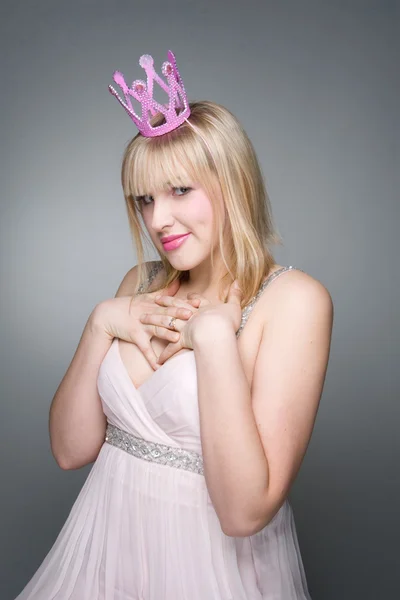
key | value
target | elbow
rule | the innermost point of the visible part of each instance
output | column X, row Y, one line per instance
column 242, row 525
column 70, row 462
column 232, row 530
column 244, row 528
column 241, row 528
column 237, row 525
column 67, row 464
column 61, row 457
column 71, row 456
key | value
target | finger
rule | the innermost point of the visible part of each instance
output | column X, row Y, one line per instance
column 175, row 311
column 195, row 301
column 199, row 301
column 198, row 298
column 167, row 305
column 172, row 288
column 164, row 333
column 171, row 301
column 171, row 335
column 171, row 311
column 169, row 352
column 235, row 293
column 148, row 352
column 159, row 320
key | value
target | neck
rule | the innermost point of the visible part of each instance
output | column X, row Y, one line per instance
column 204, row 280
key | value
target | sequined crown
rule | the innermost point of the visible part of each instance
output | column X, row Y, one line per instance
column 175, row 111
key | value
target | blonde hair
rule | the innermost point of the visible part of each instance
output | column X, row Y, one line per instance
column 231, row 178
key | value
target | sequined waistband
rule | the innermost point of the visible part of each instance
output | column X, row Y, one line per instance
column 153, row 452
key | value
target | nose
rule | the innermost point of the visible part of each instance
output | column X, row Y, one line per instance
column 162, row 215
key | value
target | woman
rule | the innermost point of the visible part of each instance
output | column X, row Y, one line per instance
column 196, row 388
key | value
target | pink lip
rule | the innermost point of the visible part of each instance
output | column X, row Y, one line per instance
column 169, row 238
column 173, row 241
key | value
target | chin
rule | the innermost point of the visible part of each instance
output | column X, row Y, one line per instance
column 183, row 262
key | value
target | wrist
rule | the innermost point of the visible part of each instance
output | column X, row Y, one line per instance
column 219, row 331
column 96, row 323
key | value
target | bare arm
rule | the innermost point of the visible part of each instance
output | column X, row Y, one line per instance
column 77, row 423
column 254, row 440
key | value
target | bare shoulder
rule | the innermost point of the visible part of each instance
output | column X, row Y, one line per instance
column 128, row 283
column 298, row 294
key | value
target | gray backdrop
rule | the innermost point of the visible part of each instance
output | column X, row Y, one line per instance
column 314, row 83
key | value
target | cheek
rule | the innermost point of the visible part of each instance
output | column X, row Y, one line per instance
column 200, row 212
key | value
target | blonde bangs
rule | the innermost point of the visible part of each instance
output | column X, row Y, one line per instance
column 159, row 163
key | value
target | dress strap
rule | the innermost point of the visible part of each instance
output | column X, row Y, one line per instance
column 249, row 307
column 154, row 269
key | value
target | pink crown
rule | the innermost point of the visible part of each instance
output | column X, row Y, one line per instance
column 176, row 111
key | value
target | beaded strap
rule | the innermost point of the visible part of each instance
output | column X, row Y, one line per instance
column 249, row 307
column 154, row 269
column 153, row 452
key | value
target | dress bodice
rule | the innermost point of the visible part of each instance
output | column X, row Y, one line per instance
column 165, row 407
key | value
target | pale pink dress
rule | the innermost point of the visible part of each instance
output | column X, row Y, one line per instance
column 141, row 530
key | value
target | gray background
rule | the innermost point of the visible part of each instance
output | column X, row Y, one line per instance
column 314, row 84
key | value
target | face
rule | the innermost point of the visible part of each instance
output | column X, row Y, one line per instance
column 179, row 211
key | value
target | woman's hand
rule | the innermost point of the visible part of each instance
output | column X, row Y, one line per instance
column 204, row 317
column 120, row 318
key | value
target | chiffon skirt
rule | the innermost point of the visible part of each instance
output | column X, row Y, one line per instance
column 144, row 531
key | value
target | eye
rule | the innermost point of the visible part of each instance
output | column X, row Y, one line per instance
column 181, row 191
column 143, row 200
